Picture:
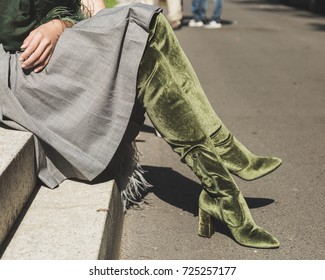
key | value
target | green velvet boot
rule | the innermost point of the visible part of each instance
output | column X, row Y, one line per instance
column 233, row 212
column 239, row 160
column 165, row 86
column 221, row 200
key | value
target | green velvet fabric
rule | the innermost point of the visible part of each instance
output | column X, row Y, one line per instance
column 234, row 212
column 171, row 94
column 239, row 160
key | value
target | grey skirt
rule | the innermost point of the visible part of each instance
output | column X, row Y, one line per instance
column 79, row 106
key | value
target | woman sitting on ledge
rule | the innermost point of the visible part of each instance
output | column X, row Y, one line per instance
column 80, row 78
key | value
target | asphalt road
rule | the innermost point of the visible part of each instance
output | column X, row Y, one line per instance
column 264, row 75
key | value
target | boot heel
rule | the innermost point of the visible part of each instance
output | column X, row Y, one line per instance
column 205, row 227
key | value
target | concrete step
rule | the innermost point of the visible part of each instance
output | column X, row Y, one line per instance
column 17, row 176
column 72, row 222
column 77, row 220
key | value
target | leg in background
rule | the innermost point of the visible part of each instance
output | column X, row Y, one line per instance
column 218, row 6
column 175, row 13
column 216, row 15
column 198, row 15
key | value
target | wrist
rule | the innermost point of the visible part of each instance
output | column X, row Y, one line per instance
column 60, row 25
column 67, row 23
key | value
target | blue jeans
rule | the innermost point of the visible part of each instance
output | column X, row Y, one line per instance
column 199, row 9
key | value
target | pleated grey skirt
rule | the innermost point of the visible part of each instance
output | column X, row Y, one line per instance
column 79, row 106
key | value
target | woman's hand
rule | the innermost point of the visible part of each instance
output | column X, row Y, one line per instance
column 39, row 45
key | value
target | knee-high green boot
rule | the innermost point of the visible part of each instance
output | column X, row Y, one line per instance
column 164, row 94
column 237, row 158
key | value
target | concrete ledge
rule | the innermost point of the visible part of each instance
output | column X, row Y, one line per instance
column 75, row 221
column 17, row 176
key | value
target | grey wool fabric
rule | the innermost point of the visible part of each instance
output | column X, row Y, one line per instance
column 79, row 106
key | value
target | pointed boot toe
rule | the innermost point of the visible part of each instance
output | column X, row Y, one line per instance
column 256, row 238
column 258, row 167
column 242, row 162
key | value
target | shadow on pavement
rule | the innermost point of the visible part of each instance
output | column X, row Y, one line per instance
column 182, row 192
column 147, row 128
column 173, row 188
column 318, row 26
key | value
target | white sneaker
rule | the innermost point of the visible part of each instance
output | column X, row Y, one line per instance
column 213, row 25
column 193, row 23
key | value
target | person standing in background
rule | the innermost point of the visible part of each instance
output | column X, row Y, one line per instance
column 215, row 21
column 199, row 9
column 175, row 13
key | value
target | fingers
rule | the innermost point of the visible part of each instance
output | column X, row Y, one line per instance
column 38, row 46
column 27, row 41
column 36, row 54
column 42, row 65
column 25, row 45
